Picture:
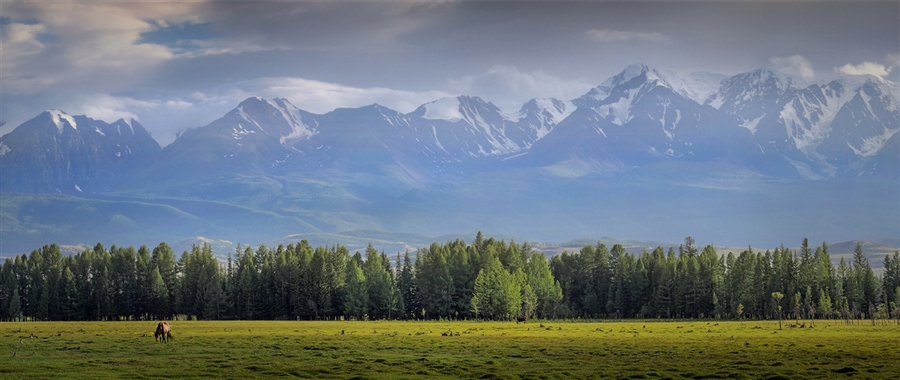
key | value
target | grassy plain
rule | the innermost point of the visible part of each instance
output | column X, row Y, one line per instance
column 387, row 349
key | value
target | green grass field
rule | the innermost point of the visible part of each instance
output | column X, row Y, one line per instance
column 383, row 349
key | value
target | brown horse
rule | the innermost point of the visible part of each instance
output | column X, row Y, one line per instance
column 163, row 332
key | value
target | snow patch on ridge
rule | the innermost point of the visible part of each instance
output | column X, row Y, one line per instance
column 59, row 116
column 130, row 124
column 247, row 117
column 501, row 144
column 291, row 115
column 557, row 110
column 871, row 145
column 619, row 112
column 752, row 124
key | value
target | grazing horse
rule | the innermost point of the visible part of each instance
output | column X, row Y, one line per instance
column 163, row 332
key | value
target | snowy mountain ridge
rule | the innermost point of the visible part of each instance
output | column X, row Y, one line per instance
column 761, row 120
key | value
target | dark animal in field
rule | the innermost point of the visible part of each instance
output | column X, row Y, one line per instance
column 163, row 332
column 521, row 319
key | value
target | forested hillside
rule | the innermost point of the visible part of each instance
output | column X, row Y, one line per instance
column 487, row 279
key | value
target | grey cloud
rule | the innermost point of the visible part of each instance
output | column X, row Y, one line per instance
column 609, row 35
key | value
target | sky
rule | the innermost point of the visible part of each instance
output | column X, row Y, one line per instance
column 177, row 65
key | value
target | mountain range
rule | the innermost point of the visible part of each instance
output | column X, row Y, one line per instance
column 646, row 151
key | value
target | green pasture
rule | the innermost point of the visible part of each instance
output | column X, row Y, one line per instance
column 389, row 349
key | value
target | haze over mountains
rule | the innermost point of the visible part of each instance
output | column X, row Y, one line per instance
column 754, row 158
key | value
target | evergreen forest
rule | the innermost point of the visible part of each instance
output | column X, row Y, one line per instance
column 487, row 279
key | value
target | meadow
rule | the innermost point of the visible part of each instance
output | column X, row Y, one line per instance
column 455, row 349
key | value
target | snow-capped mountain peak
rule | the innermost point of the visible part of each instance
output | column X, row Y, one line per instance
column 633, row 76
column 73, row 154
column 462, row 107
column 613, row 100
column 122, row 124
column 549, row 110
column 631, row 72
column 276, row 117
column 757, row 85
column 59, row 117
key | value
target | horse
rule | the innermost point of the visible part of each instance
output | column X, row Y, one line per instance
column 163, row 332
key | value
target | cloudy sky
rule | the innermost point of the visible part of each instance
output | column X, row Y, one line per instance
column 180, row 65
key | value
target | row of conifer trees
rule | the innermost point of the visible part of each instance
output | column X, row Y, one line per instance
column 487, row 279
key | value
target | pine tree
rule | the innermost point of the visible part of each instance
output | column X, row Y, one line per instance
column 143, row 277
column 825, row 304
column 546, row 289
column 479, row 243
column 463, row 268
column 865, row 279
column 68, row 294
column 897, row 303
column 159, row 295
column 163, row 258
column 433, row 283
column 806, row 276
column 15, row 305
column 379, row 283
column 498, row 293
column 356, row 302
column 527, row 295
column 407, row 285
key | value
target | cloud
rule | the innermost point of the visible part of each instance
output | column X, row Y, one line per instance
column 509, row 88
column 113, row 46
column 73, row 44
column 609, row 35
column 20, row 39
column 321, row 97
column 110, row 108
column 865, row 68
column 794, row 65
column 893, row 60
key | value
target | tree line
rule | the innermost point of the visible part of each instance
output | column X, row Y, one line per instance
column 487, row 279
